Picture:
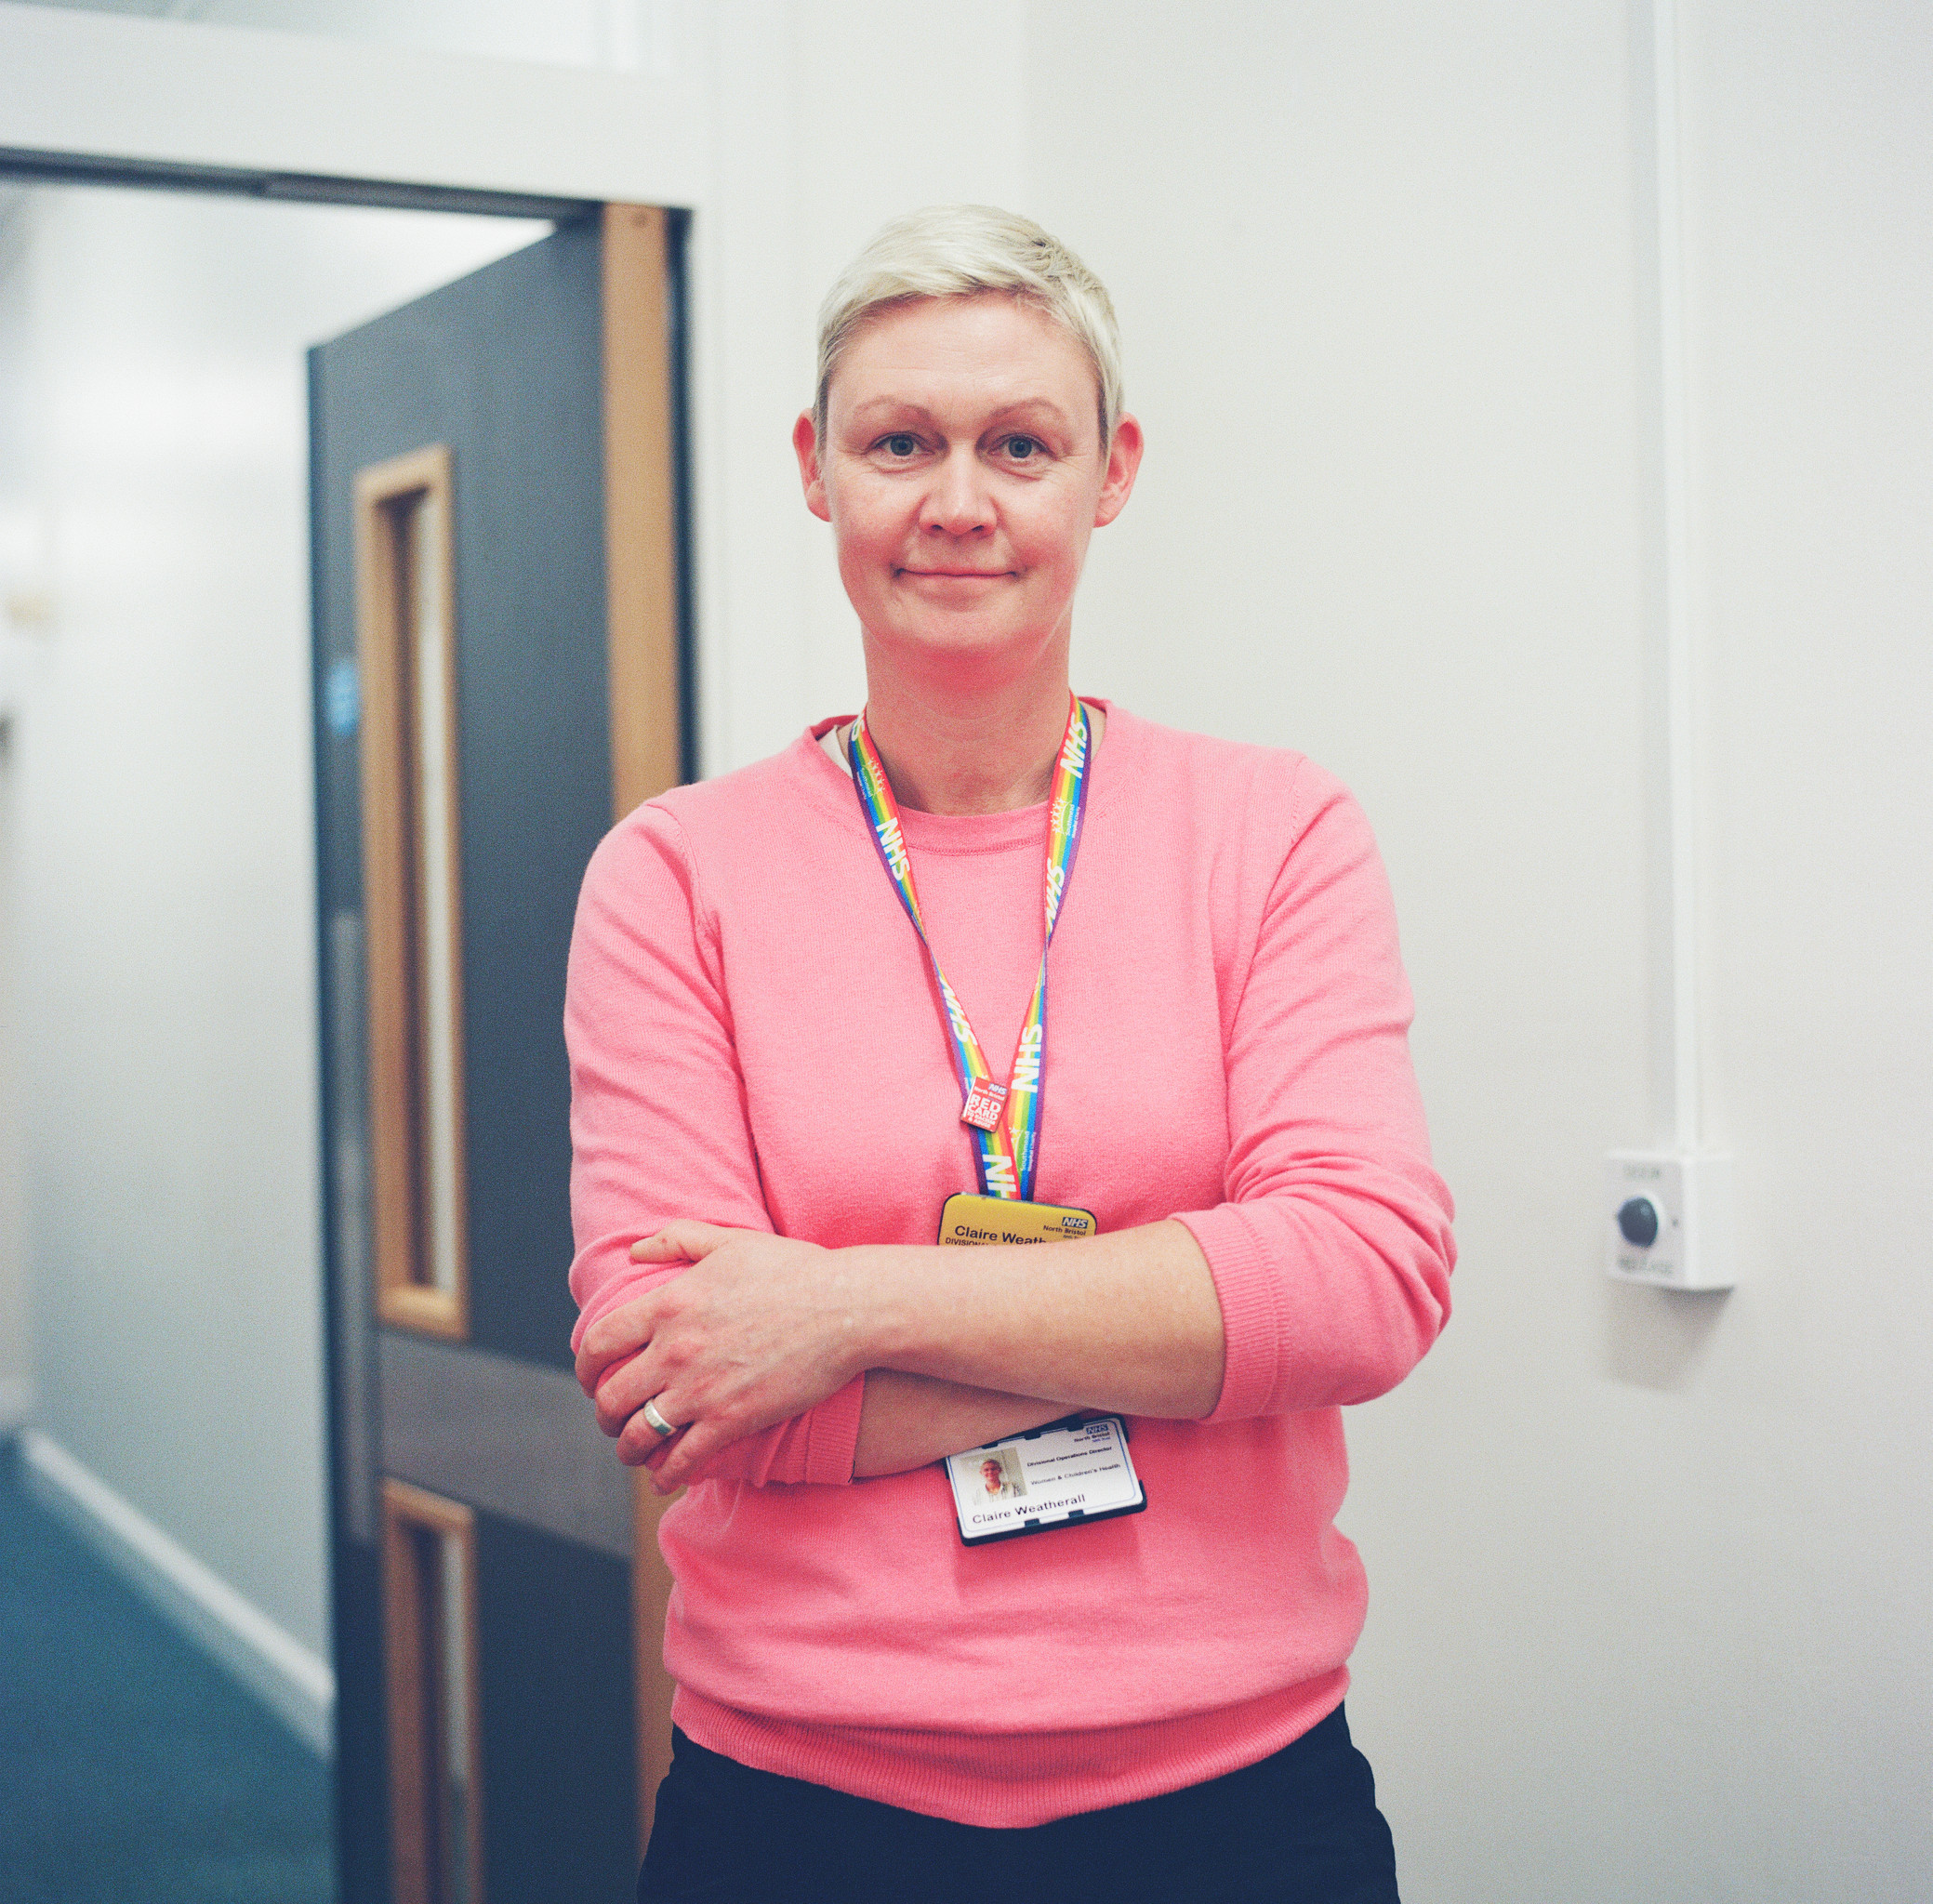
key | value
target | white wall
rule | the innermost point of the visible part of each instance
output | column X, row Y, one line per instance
column 829, row 117
column 1649, row 1574
column 160, row 809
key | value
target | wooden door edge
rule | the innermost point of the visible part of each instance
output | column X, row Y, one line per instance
column 641, row 565
column 641, row 506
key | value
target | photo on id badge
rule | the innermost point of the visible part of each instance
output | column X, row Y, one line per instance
column 1000, row 1478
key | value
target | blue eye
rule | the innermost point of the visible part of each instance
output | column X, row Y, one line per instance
column 900, row 445
column 1021, row 448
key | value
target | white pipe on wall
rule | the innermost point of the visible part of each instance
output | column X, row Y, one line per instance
column 1682, row 1192
column 1680, row 684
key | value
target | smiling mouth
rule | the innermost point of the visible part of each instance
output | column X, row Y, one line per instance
column 960, row 574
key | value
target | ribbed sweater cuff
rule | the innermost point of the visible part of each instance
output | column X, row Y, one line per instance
column 1251, row 1315
column 832, row 1435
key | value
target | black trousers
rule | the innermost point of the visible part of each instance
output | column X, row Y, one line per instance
column 1300, row 1828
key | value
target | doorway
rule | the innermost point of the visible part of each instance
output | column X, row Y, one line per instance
column 169, row 1040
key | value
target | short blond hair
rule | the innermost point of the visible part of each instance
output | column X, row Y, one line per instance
column 960, row 251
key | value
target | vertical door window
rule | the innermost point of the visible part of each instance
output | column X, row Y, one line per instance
column 407, row 656
column 430, row 1635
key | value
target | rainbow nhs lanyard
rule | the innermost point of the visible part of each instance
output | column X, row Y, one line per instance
column 1005, row 1119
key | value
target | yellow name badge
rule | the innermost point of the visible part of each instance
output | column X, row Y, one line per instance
column 969, row 1218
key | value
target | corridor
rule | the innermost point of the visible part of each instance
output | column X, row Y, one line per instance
column 131, row 1766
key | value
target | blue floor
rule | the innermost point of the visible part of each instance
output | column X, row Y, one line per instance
column 133, row 1770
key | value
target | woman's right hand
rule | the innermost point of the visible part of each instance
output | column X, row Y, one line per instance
column 756, row 1329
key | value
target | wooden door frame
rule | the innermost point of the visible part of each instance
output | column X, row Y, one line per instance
column 645, row 621
column 407, row 1510
column 398, row 1087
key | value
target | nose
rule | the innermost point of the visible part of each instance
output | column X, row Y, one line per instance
column 958, row 502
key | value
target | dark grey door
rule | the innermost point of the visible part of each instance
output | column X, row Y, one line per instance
column 498, row 616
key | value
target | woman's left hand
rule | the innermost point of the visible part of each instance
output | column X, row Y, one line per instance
column 757, row 1330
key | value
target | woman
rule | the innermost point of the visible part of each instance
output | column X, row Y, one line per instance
column 791, row 993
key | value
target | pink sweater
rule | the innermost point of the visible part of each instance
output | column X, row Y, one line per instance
column 755, row 1041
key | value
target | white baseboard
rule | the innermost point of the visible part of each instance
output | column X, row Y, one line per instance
column 269, row 1662
column 15, row 1402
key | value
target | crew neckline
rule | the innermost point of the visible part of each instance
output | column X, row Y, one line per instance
column 954, row 832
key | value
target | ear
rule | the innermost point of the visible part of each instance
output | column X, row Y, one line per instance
column 805, row 446
column 1123, row 461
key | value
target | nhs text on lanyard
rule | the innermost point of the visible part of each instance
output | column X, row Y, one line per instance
column 1005, row 1118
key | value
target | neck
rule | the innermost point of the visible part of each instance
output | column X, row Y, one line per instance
column 983, row 749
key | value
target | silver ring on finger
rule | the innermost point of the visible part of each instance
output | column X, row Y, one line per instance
column 662, row 1428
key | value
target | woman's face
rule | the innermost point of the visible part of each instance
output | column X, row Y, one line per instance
column 963, row 473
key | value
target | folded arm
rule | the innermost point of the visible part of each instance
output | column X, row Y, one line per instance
column 967, row 1345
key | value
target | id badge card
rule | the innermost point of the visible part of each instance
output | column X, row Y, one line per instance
column 1061, row 1476
column 967, row 1219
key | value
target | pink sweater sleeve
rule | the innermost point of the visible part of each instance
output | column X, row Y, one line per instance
column 658, row 1124
column 1332, row 1252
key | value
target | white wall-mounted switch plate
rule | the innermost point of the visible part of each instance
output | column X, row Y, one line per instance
column 1667, row 1219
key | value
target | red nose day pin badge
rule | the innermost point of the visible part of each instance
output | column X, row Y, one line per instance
column 984, row 1103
